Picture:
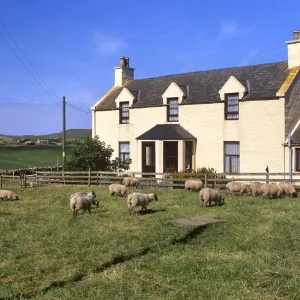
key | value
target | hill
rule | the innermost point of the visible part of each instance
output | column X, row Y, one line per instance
column 71, row 134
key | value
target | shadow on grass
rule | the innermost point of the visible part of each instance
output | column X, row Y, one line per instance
column 191, row 234
column 5, row 213
column 150, row 211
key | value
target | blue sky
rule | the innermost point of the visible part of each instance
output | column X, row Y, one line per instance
column 74, row 46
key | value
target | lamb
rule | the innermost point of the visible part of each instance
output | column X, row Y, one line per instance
column 85, row 194
column 287, row 189
column 138, row 199
column 255, row 188
column 192, row 184
column 118, row 189
column 271, row 190
column 237, row 187
column 209, row 195
column 130, row 181
column 9, row 195
column 82, row 201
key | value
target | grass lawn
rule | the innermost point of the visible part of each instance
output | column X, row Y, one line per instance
column 15, row 157
column 46, row 253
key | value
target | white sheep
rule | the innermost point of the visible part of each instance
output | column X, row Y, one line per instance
column 118, row 189
column 78, row 202
column 9, row 195
column 130, row 181
column 237, row 187
column 192, row 184
column 138, row 199
column 271, row 190
column 207, row 195
column 287, row 189
column 85, row 194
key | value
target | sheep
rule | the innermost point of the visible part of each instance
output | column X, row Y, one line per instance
column 138, row 199
column 271, row 190
column 192, row 184
column 237, row 187
column 118, row 189
column 82, row 201
column 32, row 184
column 9, row 195
column 287, row 189
column 255, row 188
column 130, row 181
column 85, row 194
column 209, row 195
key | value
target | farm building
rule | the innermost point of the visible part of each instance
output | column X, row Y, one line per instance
column 234, row 119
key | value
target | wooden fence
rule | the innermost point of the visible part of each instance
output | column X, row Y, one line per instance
column 158, row 180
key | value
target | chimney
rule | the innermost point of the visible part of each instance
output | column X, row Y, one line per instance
column 294, row 50
column 123, row 73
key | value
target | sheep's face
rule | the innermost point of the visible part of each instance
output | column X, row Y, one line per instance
column 155, row 197
column 93, row 193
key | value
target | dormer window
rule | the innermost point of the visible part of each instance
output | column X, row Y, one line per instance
column 232, row 106
column 172, row 109
column 124, row 112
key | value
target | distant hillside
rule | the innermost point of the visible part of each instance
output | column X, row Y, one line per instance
column 71, row 134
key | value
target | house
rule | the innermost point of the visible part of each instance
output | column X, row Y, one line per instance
column 234, row 119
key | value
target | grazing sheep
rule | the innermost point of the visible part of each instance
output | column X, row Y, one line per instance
column 84, row 201
column 255, row 188
column 271, row 190
column 32, row 184
column 85, row 194
column 118, row 189
column 287, row 189
column 237, row 187
column 9, row 195
column 209, row 195
column 130, row 181
column 192, row 184
column 137, row 199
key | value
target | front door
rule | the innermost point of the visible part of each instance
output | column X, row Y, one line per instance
column 148, row 157
column 170, row 156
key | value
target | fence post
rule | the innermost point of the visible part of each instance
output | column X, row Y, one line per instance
column 25, row 179
column 63, row 175
column 1, row 182
column 97, row 178
column 205, row 179
column 13, row 174
column 89, row 180
column 267, row 177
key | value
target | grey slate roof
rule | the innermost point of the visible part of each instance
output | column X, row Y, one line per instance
column 166, row 132
column 264, row 81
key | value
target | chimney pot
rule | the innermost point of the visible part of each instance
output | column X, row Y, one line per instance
column 296, row 34
column 127, row 62
column 122, row 62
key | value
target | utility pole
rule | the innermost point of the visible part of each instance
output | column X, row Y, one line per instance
column 64, row 132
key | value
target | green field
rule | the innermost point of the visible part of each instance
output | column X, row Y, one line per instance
column 48, row 254
column 15, row 157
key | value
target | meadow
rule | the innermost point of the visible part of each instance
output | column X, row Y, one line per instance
column 46, row 253
column 15, row 157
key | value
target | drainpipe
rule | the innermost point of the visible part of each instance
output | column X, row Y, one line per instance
column 290, row 158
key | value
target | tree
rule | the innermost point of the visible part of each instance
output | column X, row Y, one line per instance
column 92, row 153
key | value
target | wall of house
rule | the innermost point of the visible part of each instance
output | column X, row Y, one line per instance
column 260, row 131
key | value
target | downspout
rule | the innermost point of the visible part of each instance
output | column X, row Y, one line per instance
column 290, row 158
column 284, row 162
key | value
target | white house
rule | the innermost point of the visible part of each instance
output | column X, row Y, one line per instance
column 233, row 119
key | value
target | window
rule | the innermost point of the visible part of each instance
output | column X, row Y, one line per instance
column 231, row 157
column 124, row 112
column 124, row 151
column 297, row 168
column 172, row 109
column 231, row 106
column 188, row 155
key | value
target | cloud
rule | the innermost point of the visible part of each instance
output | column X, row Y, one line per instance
column 249, row 57
column 108, row 44
column 229, row 30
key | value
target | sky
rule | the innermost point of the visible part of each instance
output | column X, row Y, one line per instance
column 70, row 48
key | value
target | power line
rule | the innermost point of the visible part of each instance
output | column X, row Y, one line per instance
column 28, row 60
column 84, row 111
column 24, row 65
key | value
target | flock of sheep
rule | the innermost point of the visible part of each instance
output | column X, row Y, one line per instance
column 85, row 200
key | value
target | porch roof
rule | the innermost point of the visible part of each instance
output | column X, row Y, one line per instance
column 166, row 132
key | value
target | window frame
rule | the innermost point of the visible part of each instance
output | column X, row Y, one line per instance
column 122, row 159
column 122, row 119
column 230, row 113
column 169, row 115
column 297, row 161
column 230, row 157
